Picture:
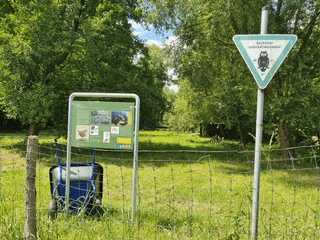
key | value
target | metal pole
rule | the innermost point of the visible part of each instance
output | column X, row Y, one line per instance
column 135, row 161
column 68, row 163
column 258, row 143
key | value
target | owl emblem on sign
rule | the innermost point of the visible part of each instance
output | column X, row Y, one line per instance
column 263, row 61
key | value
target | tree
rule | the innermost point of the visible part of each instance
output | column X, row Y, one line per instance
column 153, row 76
column 49, row 49
column 184, row 114
column 221, row 83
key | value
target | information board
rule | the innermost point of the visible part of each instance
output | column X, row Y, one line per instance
column 97, row 124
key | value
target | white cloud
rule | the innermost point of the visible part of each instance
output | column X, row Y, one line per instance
column 172, row 74
column 173, row 87
column 137, row 28
column 137, row 58
column 134, row 24
column 149, row 34
column 172, row 40
column 154, row 42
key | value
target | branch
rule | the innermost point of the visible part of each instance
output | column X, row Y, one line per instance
column 279, row 6
column 309, row 32
column 297, row 18
column 61, row 58
column 76, row 21
column 223, row 43
column 234, row 24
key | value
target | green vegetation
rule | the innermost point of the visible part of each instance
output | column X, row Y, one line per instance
column 190, row 187
column 207, row 196
column 215, row 84
column 49, row 49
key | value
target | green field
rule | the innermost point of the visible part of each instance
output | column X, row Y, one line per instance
column 183, row 195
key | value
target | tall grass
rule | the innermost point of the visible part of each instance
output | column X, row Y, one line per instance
column 181, row 195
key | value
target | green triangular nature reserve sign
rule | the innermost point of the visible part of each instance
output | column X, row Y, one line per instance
column 264, row 53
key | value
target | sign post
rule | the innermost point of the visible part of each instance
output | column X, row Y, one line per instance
column 112, row 125
column 263, row 54
column 257, row 148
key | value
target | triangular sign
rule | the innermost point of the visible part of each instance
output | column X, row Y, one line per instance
column 264, row 54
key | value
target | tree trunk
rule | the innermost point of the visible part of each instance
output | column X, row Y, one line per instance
column 33, row 130
column 201, row 130
column 242, row 139
column 284, row 139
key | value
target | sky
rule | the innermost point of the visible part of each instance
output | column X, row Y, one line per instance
column 150, row 36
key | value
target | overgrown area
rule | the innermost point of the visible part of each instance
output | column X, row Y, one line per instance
column 216, row 88
column 195, row 175
column 49, row 49
column 182, row 195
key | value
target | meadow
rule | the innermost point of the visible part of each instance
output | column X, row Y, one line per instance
column 189, row 188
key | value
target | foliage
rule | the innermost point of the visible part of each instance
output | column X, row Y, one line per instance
column 151, row 89
column 181, row 195
column 49, row 49
column 220, row 84
column 184, row 113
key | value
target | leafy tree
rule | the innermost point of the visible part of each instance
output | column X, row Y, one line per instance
column 49, row 49
column 150, row 88
column 184, row 114
column 296, row 87
column 219, row 81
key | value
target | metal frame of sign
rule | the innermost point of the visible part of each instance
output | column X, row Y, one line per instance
column 135, row 141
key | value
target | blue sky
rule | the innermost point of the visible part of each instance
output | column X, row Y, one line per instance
column 149, row 35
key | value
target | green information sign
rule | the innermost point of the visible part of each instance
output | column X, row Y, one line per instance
column 108, row 125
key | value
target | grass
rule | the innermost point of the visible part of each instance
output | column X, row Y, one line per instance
column 181, row 197
column 148, row 140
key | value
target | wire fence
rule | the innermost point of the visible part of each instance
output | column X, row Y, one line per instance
column 183, row 194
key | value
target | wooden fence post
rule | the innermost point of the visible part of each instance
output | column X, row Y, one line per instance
column 30, row 227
